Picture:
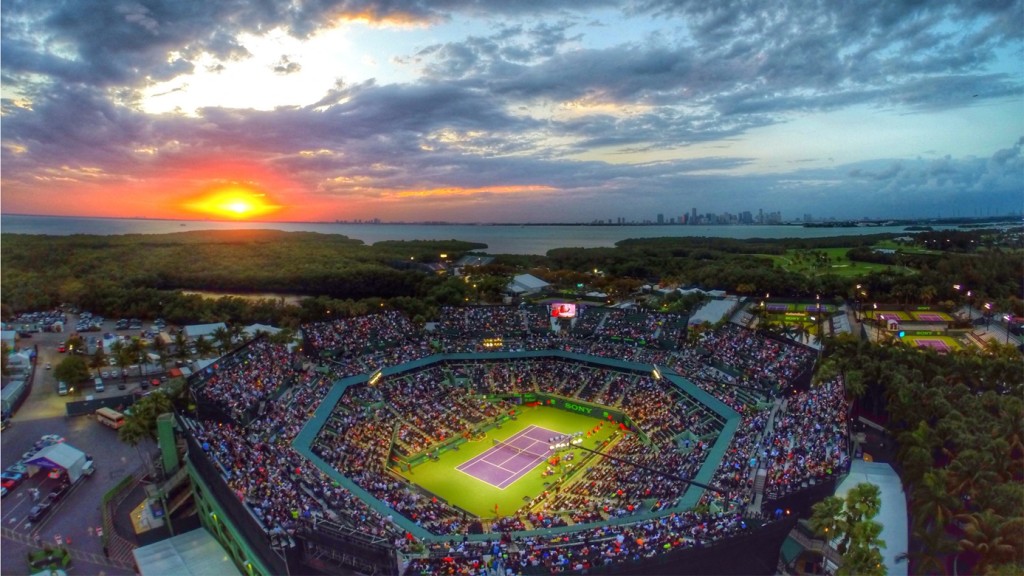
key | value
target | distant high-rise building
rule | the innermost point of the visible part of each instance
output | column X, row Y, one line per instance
column 693, row 216
column 661, row 218
column 807, row 218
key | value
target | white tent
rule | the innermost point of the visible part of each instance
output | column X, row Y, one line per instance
column 893, row 513
column 60, row 456
column 526, row 284
column 194, row 553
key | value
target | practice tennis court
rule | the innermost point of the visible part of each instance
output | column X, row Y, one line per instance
column 936, row 317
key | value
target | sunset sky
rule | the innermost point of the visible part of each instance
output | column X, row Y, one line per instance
column 511, row 111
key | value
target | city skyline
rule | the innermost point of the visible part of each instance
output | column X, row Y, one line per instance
column 501, row 112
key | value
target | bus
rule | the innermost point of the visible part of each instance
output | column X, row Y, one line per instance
column 109, row 417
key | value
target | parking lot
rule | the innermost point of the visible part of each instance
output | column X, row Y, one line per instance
column 75, row 516
column 116, row 381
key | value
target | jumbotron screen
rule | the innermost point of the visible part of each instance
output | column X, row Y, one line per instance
column 563, row 310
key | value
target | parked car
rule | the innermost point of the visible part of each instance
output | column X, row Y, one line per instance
column 17, row 469
column 48, row 366
column 39, row 510
column 57, row 493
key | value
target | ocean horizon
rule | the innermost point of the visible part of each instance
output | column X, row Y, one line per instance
column 526, row 238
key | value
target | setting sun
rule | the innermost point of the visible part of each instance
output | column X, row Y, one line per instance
column 235, row 202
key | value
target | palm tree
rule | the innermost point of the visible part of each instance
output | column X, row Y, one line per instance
column 122, row 357
column 971, row 472
column 160, row 347
column 991, row 538
column 132, row 433
column 203, row 346
column 137, row 352
column 933, row 506
column 223, row 338
column 237, row 332
column 284, row 337
column 935, row 544
column 140, row 424
column 850, row 522
column 180, row 345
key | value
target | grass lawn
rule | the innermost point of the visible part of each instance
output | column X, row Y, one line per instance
column 478, row 497
column 808, row 262
column 905, row 248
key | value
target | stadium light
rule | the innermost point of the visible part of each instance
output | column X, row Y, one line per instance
column 375, row 377
column 656, row 373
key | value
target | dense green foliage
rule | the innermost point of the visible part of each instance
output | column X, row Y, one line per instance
column 72, row 369
column 144, row 275
column 959, row 422
column 138, row 275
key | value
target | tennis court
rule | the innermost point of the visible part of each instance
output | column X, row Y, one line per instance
column 510, row 460
column 936, row 317
column 938, row 343
column 900, row 316
column 479, row 497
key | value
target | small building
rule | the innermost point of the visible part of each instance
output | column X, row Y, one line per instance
column 205, row 330
column 253, row 329
column 193, row 553
column 525, row 285
column 713, row 311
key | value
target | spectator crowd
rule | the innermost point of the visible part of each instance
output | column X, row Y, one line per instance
column 266, row 396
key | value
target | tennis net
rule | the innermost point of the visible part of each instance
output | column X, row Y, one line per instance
column 518, row 450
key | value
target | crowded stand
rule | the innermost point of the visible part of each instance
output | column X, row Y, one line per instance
column 279, row 487
column 238, row 383
column 353, row 336
column 756, row 357
column 810, row 440
column 412, row 413
column 482, row 320
column 538, row 318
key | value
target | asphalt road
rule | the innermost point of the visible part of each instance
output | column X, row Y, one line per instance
column 75, row 518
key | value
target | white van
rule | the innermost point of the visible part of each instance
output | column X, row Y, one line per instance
column 62, row 388
column 99, row 385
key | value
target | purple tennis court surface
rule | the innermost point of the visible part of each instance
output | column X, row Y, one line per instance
column 935, row 344
column 888, row 316
column 502, row 465
column 924, row 317
column 777, row 307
